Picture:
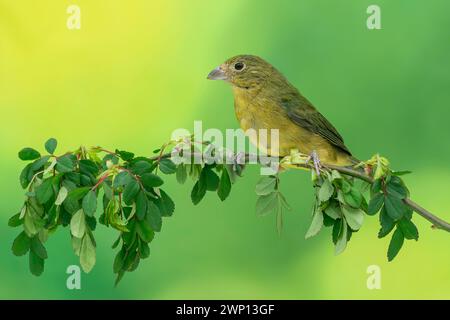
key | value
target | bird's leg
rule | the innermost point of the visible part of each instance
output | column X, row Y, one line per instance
column 316, row 161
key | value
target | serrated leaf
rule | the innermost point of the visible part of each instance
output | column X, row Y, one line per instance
column 151, row 180
column 212, row 180
column 387, row 223
column 50, row 145
column 396, row 189
column 65, row 164
column 266, row 204
column 316, row 224
column 375, row 203
column 87, row 254
column 181, row 173
column 354, row 217
column 353, row 198
column 341, row 242
column 167, row 166
column 28, row 154
column 89, row 203
column 21, row 244
column 45, row 191
column 396, row 244
column 408, row 229
column 15, row 220
column 36, row 264
column 198, row 191
column 153, row 216
column 38, row 248
column 325, row 191
column 62, row 195
column 395, row 207
column 224, row 185
column 130, row 192
column 141, row 205
column 165, row 204
column 333, row 210
column 265, row 185
column 78, row 224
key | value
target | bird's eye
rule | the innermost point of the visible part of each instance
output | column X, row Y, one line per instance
column 239, row 66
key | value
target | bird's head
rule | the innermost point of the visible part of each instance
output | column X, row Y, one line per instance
column 243, row 71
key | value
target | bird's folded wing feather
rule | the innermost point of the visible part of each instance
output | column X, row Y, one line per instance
column 303, row 114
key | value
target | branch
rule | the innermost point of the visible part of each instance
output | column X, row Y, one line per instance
column 436, row 221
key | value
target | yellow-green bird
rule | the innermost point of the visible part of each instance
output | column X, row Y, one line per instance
column 264, row 99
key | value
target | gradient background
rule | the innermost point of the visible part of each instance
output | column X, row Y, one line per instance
column 136, row 71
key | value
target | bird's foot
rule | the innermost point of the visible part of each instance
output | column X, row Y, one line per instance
column 314, row 157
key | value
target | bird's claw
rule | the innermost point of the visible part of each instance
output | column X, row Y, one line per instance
column 315, row 160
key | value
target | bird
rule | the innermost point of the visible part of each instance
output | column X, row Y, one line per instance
column 265, row 99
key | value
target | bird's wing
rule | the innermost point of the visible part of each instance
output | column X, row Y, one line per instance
column 303, row 114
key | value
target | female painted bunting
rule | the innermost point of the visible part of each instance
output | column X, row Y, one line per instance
column 264, row 99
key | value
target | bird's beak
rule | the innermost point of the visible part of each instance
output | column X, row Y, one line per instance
column 217, row 74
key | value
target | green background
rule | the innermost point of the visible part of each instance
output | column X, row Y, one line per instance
column 136, row 71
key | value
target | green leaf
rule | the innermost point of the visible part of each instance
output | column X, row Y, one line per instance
column 87, row 254
column 45, row 191
column 125, row 155
column 212, row 180
column 265, row 185
column 65, row 164
column 396, row 244
column 375, row 204
column 119, row 260
column 165, row 204
column 39, row 163
column 78, row 224
column 266, row 204
column 325, row 191
column 401, row 173
column 333, row 210
column 26, row 175
column 341, row 242
column 151, row 180
column 141, row 205
column 121, row 179
column 316, row 224
column 89, row 203
column 408, row 229
column 354, row 217
column 145, row 231
column 167, row 166
column 21, row 244
column 130, row 191
column 337, row 229
column 396, row 189
column 15, row 220
column 88, row 167
column 387, row 223
column 353, row 198
column 144, row 250
column 224, row 185
column 198, row 191
column 76, row 245
column 50, row 145
column 78, row 193
column 38, row 248
column 36, row 264
column 181, row 173
column 395, row 207
column 28, row 154
column 62, row 195
column 376, row 186
column 141, row 167
column 153, row 216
